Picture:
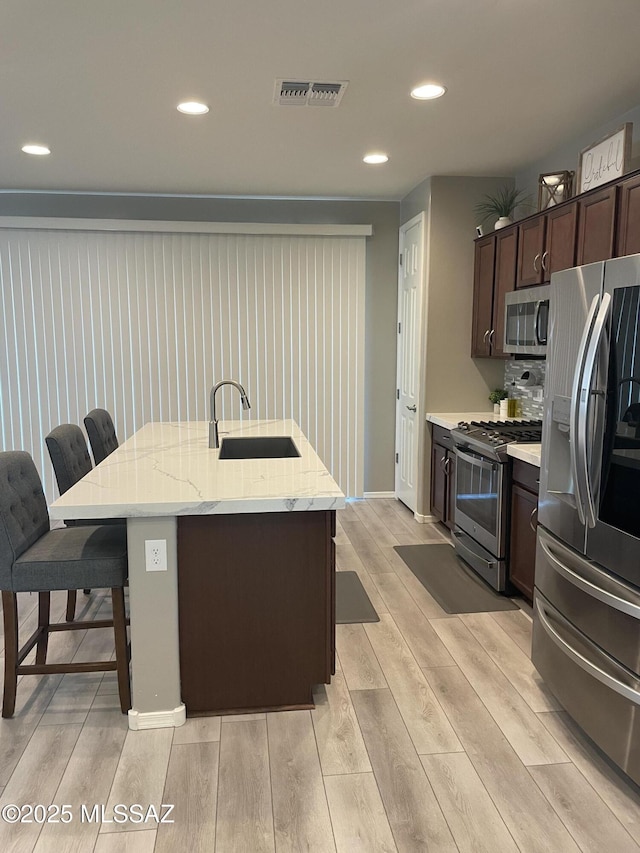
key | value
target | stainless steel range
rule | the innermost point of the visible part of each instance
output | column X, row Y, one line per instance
column 483, row 493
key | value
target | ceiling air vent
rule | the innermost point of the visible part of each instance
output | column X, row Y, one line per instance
column 296, row 93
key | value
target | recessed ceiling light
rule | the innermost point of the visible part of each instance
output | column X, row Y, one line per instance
column 375, row 159
column 428, row 91
column 193, row 108
column 40, row 150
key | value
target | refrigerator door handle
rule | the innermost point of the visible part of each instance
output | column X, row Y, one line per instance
column 583, row 405
column 595, row 590
column 597, row 665
column 576, row 468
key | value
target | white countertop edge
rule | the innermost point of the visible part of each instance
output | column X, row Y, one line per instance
column 223, row 507
column 526, row 453
column 449, row 420
column 167, row 469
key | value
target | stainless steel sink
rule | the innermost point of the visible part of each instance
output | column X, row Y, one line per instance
column 260, row 447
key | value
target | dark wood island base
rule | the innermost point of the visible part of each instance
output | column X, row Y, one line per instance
column 256, row 598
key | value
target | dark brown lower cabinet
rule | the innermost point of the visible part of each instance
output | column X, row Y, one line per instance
column 524, row 505
column 256, row 599
column 443, row 477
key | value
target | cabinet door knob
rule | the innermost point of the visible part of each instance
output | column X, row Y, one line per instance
column 545, row 255
column 443, row 464
column 537, row 258
column 485, row 336
column 491, row 334
column 446, row 465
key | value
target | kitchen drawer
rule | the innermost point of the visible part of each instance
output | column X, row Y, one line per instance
column 442, row 436
column 526, row 475
column 602, row 696
column 596, row 602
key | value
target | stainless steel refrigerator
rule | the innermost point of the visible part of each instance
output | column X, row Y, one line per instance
column 586, row 633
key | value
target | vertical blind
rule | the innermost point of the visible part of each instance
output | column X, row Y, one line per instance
column 143, row 324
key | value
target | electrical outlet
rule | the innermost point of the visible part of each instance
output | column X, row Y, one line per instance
column 155, row 555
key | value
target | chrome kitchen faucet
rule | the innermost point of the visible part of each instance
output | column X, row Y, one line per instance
column 213, row 423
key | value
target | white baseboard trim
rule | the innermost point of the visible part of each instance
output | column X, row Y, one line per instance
column 424, row 519
column 374, row 495
column 139, row 720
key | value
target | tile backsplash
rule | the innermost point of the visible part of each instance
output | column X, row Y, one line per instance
column 530, row 396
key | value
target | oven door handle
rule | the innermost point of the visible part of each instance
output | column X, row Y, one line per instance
column 595, row 590
column 592, row 666
column 577, row 468
column 478, row 461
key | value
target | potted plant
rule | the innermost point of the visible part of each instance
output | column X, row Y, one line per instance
column 501, row 205
column 495, row 396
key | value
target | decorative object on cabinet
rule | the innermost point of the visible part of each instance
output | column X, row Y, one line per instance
column 501, row 205
column 606, row 159
column 554, row 187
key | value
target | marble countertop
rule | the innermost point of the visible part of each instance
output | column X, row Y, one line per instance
column 447, row 420
column 167, row 469
column 526, row 453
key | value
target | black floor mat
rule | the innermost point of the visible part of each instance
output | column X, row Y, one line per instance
column 455, row 586
column 352, row 601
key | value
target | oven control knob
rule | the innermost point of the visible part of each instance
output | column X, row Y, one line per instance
column 464, row 426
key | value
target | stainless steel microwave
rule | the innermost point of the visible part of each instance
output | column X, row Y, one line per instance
column 526, row 321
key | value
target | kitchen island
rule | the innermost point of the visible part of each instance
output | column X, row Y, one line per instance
column 246, row 601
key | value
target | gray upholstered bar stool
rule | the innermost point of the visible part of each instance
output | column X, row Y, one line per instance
column 34, row 558
column 71, row 461
column 102, row 434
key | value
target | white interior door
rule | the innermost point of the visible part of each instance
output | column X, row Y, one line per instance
column 408, row 414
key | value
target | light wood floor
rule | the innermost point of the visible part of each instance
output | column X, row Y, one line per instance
column 435, row 735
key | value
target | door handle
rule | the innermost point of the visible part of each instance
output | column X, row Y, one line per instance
column 543, row 260
column 535, row 268
column 491, row 334
column 443, row 464
column 533, row 524
column 412, row 408
column 485, row 336
column 574, row 415
column 446, row 466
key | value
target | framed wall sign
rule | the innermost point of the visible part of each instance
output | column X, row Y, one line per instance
column 606, row 159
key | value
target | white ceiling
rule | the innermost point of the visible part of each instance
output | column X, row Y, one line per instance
column 99, row 82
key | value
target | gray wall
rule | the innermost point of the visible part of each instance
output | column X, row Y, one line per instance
column 381, row 292
column 453, row 381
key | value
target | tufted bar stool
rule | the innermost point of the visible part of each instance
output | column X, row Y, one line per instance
column 71, row 461
column 102, row 434
column 34, row 558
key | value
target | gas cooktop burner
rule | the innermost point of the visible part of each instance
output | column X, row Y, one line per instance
column 492, row 437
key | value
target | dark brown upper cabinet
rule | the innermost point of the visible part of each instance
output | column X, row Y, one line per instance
column 596, row 223
column 546, row 244
column 628, row 230
column 495, row 271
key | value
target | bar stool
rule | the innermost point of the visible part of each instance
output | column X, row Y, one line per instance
column 102, row 434
column 34, row 558
column 71, row 461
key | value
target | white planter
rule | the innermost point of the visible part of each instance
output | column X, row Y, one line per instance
column 502, row 222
